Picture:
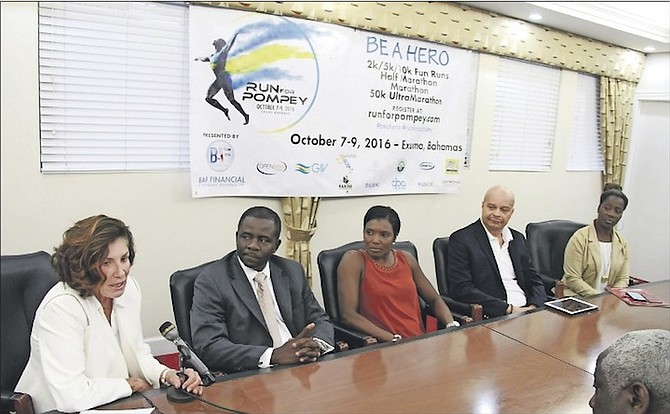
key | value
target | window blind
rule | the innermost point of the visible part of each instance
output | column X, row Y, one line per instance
column 113, row 86
column 584, row 153
column 526, row 100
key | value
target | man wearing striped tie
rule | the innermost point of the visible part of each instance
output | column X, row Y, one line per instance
column 254, row 309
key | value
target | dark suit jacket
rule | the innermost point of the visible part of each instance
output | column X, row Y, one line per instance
column 227, row 325
column 473, row 275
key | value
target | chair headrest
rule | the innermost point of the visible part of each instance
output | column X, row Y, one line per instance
column 328, row 261
column 26, row 278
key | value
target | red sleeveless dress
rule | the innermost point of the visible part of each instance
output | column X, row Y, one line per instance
column 388, row 297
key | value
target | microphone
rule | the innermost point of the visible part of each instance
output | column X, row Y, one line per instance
column 169, row 331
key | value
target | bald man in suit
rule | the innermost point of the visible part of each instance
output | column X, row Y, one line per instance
column 488, row 262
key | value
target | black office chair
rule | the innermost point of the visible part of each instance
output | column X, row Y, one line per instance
column 327, row 262
column 440, row 250
column 546, row 245
column 26, row 278
column 181, row 292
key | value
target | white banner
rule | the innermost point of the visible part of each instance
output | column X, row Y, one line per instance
column 289, row 107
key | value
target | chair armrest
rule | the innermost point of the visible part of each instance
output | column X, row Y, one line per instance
column 473, row 310
column 477, row 312
column 559, row 289
column 427, row 311
column 549, row 283
column 17, row 402
column 462, row 319
column 354, row 339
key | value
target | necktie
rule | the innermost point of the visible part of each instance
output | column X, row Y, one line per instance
column 265, row 301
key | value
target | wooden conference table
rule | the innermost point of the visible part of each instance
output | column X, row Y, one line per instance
column 540, row 361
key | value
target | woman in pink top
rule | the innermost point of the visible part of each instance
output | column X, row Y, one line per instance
column 379, row 287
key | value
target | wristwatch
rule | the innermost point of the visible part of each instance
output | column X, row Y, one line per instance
column 396, row 337
column 452, row 324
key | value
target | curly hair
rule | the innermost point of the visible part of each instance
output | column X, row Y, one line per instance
column 84, row 248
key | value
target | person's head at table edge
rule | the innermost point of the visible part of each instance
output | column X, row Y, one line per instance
column 632, row 375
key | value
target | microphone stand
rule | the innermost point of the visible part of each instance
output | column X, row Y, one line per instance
column 179, row 395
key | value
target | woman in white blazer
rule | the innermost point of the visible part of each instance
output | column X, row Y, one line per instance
column 86, row 346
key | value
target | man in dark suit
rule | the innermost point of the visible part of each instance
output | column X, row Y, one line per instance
column 230, row 330
column 488, row 262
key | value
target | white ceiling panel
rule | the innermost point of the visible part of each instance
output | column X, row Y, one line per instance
column 633, row 25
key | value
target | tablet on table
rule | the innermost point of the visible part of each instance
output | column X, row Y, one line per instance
column 571, row 306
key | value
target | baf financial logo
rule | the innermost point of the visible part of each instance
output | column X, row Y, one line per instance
column 220, row 155
column 274, row 69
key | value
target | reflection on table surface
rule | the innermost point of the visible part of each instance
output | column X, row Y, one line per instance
column 540, row 361
column 578, row 339
column 470, row 370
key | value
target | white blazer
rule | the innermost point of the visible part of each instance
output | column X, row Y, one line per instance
column 76, row 360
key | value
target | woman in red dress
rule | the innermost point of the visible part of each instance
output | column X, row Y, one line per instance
column 379, row 287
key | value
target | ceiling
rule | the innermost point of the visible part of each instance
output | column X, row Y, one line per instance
column 633, row 25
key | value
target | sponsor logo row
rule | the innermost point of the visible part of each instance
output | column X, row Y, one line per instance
column 221, row 155
column 279, row 167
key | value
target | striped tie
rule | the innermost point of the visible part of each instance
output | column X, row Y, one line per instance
column 267, row 307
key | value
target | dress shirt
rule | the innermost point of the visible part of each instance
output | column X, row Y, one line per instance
column 515, row 294
column 227, row 326
column 605, row 260
column 285, row 334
